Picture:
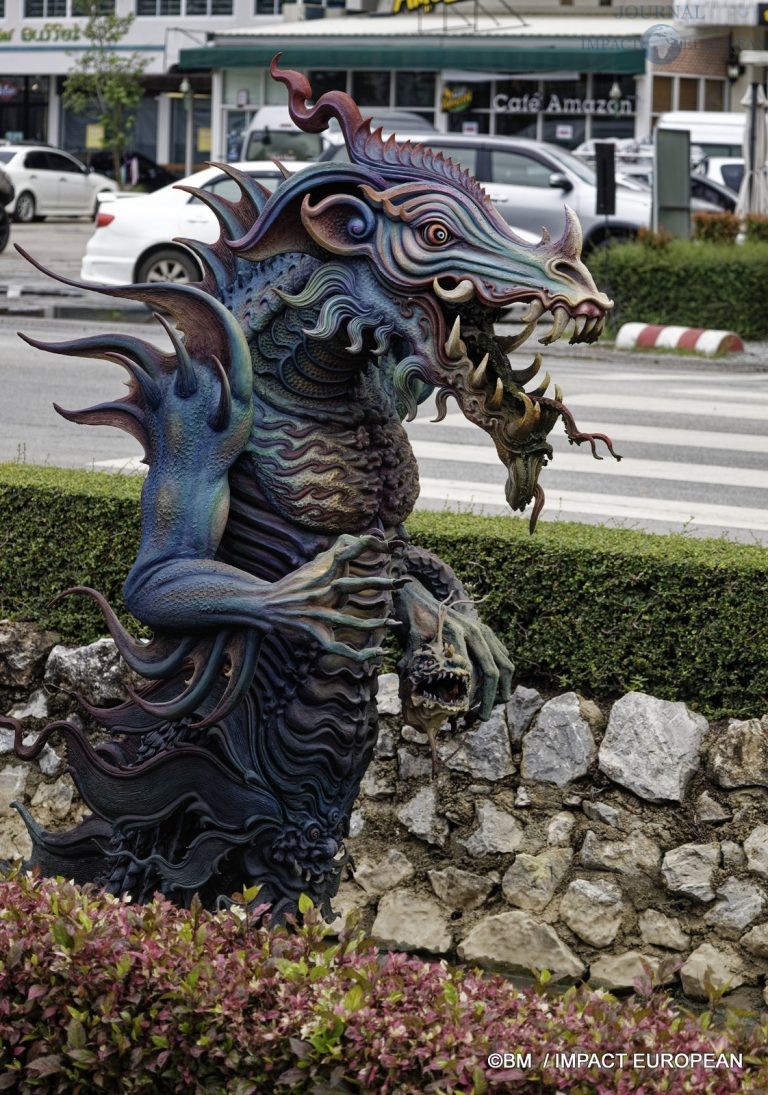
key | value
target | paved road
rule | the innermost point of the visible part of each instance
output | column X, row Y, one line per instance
column 693, row 436
column 694, row 439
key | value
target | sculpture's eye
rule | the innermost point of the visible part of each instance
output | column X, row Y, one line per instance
column 436, row 234
column 314, row 833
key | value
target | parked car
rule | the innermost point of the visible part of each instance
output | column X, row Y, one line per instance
column 272, row 132
column 137, row 171
column 713, row 193
column 134, row 240
column 529, row 182
column 50, row 183
column 726, row 170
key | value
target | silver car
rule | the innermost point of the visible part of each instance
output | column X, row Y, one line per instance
column 529, row 182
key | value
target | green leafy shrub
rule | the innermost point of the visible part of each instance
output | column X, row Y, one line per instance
column 97, row 995
column 716, row 227
column 756, row 228
column 599, row 610
column 657, row 240
column 694, row 284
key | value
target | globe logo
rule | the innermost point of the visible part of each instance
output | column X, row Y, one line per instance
column 662, row 44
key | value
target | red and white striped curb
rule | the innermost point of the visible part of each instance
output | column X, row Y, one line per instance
column 638, row 336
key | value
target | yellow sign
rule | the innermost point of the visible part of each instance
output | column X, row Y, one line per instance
column 454, row 100
column 94, row 136
column 204, row 139
column 416, row 5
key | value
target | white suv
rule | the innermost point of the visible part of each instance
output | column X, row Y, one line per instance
column 529, row 182
column 50, row 183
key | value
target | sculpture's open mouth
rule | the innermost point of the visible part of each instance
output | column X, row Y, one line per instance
column 434, row 685
column 447, row 689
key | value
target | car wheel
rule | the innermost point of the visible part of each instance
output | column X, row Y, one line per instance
column 25, row 208
column 169, row 265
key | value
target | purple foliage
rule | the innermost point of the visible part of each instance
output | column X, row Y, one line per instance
column 97, row 994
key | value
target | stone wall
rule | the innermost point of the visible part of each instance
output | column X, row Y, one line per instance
column 595, row 841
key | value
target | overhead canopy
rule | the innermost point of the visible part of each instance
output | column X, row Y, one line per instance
column 510, row 56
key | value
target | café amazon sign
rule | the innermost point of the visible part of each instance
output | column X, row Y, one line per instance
column 550, row 103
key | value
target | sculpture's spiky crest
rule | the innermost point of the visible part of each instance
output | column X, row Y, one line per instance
column 391, row 158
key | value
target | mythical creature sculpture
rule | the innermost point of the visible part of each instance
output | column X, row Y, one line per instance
column 273, row 558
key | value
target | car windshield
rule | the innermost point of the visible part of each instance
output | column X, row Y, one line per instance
column 6, row 157
column 292, row 144
column 573, row 163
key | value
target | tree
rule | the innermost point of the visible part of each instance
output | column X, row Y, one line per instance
column 104, row 82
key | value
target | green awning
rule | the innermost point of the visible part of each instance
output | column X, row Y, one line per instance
column 482, row 54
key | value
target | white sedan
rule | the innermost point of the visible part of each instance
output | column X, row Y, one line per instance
column 134, row 240
column 50, row 183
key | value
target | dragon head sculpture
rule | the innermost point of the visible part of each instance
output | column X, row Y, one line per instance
column 446, row 265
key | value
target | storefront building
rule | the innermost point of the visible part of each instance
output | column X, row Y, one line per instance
column 558, row 70
column 40, row 41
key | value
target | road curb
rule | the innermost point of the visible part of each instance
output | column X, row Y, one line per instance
column 698, row 340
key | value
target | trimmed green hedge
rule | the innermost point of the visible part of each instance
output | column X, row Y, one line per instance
column 599, row 610
column 62, row 528
column 692, row 284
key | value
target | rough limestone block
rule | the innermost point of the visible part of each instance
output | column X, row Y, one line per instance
column 756, row 849
column 709, row 968
column 515, row 942
column 560, row 747
column 419, row 816
column 739, row 756
column 378, row 876
column 531, row 881
column 636, row 855
column 593, row 910
column 387, row 698
column 618, row 972
column 461, row 889
column 652, row 746
column 23, row 650
column 739, row 903
column 95, row 671
column 520, row 711
column 659, row 930
column 498, row 832
column 484, row 753
column 688, row 870
column 408, row 922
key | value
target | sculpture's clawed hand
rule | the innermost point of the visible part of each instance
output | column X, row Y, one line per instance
column 318, row 599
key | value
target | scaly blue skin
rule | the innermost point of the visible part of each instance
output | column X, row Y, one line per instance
column 272, row 557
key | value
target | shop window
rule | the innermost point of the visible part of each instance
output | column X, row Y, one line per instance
column 371, row 88
column 158, row 8
column 714, row 93
column 323, row 80
column 516, row 125
column 103, row 7
column 45, row 9
column 688, row 95
column 208, row 7
column 662, row 94
column 267, row 7
column 415, row 89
